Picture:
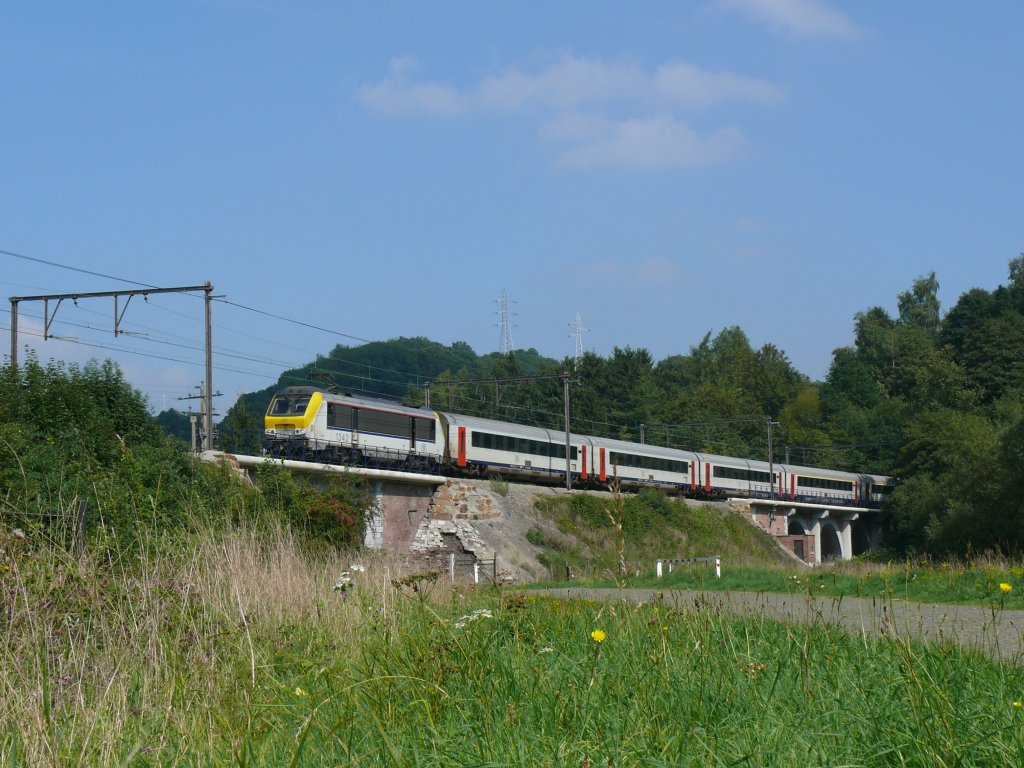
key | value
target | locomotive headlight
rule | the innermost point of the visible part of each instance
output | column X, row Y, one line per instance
column 270, row 431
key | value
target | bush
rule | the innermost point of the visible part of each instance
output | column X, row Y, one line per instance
column 70, row 434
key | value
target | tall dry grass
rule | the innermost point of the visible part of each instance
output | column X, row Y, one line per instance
column 144, row 650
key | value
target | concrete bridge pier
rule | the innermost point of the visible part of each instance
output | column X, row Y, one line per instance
column 817, row 533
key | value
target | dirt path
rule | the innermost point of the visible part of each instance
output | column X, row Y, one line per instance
column 999, row 634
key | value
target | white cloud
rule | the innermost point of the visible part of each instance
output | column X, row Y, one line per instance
column 808, row 18
column 567, row 83
column 649, row 143
column 396, row 94
column 604, row 113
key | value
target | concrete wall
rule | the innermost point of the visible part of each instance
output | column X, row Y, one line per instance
column 399, row 511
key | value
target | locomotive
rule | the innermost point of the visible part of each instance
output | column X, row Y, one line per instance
column 311, row 424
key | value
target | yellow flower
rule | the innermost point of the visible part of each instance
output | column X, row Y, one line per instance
column 598, row 635
column 301, row 693
column 1004, row 587
column 1018, row 704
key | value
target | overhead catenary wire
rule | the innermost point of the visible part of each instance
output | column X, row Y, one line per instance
column 37, row 260
column 403, row 377
column 220, row 299
column 221, row 352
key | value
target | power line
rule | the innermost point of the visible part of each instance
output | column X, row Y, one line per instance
column 290, row 320
column 223, row 352
column 73, row 269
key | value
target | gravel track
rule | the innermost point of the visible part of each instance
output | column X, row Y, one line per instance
column 998, row 634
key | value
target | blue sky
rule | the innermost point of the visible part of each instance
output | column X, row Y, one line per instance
column 664, row 169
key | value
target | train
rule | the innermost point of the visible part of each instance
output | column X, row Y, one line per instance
column 312, row 424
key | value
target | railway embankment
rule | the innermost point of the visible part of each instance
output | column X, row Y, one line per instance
column 540, row 533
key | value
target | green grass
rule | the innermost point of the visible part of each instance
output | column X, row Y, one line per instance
column 232, row 648
column 977, row 584
column 650, row 523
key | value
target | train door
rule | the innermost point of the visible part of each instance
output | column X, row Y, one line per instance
column 586, row 455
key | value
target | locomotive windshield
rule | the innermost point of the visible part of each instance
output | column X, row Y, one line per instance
column 283, row 405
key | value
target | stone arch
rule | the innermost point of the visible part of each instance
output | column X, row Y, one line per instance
column 796, row 527
column 831, row 545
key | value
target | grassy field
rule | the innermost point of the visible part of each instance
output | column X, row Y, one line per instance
column 986, row 582
column 233, row 647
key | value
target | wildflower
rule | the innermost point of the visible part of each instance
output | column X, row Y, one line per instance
column 358, row 568
column 547, row 649
column 344, row 582
column 598, row 636
column 1004, row 587
column 1018, row 704
column 301, row 693
column 482, row 613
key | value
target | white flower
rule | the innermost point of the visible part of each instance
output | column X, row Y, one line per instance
column 344, row 582
column 359, row 568
column 482, row 613
column 546, row 649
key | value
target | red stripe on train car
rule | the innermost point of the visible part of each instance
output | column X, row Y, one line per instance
column 604, row 475
column 583, row 474
column 462, row 446
column 792, row 486
column 707, row 478
column 693, row 475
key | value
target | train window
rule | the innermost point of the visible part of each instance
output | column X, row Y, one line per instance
column 731, row 473
column 648, row 462
column 882, row 489
column 283, row 405
column 824, row 483
column 383, row 423
column 426, row 429
column 340, row 416
column 517, row 445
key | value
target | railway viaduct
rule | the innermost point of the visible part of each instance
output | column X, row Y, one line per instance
column 431, row 516
column 815, row 533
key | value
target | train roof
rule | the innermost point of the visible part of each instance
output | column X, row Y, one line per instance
column 648, row 449
column 504, row 427
column 358, row 402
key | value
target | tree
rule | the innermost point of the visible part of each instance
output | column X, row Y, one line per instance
column 919, row 307
column 240, row 431
column 176, row 424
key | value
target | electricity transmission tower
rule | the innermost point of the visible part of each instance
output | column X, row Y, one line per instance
column 578, row 331
column 505, row 345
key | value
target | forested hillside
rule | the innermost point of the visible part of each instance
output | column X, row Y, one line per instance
column 933, row 398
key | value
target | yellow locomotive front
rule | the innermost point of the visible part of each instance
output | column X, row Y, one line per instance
column 288, row 425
